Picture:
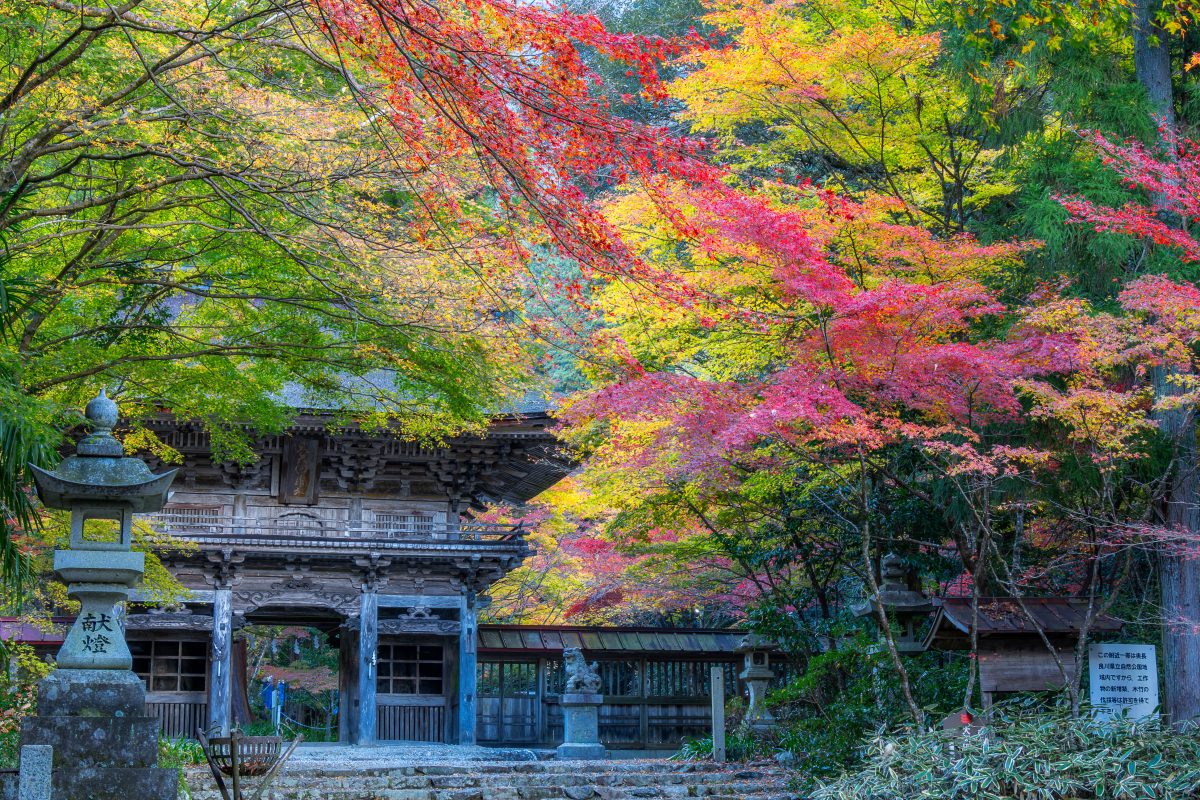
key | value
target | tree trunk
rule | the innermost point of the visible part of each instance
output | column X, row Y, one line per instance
column 1152, row 59
column 1179, row 575
column 1179, row 572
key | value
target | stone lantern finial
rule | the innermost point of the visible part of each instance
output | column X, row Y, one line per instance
column 103, row 413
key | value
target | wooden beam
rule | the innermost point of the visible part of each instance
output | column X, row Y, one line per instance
column 410, row 600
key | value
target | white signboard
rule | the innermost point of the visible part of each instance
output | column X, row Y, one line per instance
column 1124, row 679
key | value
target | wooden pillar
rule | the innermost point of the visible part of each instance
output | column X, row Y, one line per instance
column 220, row 662
column 467, row 671
column 453, row 518
column 241, row 511
column 368, row 644
column 348, row 685
column 644, row 697
column 541, row 713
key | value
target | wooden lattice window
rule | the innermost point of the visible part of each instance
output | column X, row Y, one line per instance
column 617, row 678
column 395, row 524
column 506, row 679
column 171, row 665
column 668, row 678
column 410, row 669
column 686, row 678
column 193, row 518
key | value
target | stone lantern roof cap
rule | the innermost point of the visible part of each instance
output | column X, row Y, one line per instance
column 100, row 471
column 894, row 595
column 756, row 641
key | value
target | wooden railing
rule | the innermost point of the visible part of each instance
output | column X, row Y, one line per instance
column 288, row 529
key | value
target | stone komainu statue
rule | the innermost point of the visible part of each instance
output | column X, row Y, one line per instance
column 582, row 678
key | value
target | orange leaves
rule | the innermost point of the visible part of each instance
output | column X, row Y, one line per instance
column 502, row 86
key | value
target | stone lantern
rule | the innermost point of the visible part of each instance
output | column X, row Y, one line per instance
column 100, row 483
column 757, row 674
column 92, row 709
column 907, row 606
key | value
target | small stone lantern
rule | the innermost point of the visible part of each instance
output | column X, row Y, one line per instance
column 907, row 606
column 757, row 674
column 92, row 709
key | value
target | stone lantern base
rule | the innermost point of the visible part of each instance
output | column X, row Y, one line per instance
column 105, row 745
column 581, row 727
column 758, row 717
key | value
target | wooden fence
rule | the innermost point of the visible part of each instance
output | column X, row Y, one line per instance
column 178, row 718
column 415, row 719
column 649, row 703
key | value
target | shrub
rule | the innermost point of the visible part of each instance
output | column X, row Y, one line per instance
column 179, row 754
column 1028, row 754
column 739, row 746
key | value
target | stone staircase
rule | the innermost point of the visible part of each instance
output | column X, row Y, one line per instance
column 536, row 780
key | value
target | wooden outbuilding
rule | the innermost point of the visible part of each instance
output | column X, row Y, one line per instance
column 1012, row 639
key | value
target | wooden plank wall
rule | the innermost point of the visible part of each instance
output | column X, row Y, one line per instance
column 179, row 719
column 411, row 723
column 1020, row 666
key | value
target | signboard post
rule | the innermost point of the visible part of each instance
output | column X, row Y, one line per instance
column 717, row 694
column 1124, row 679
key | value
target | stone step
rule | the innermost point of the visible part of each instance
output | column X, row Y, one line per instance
column 499, row 786
column 402, row 781
column 516, row 768
column 654, row 780
column 462, row 782
column 715, row 792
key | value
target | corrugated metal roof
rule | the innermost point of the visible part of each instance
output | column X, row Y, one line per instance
column 1004, row 616
column 552, row 639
